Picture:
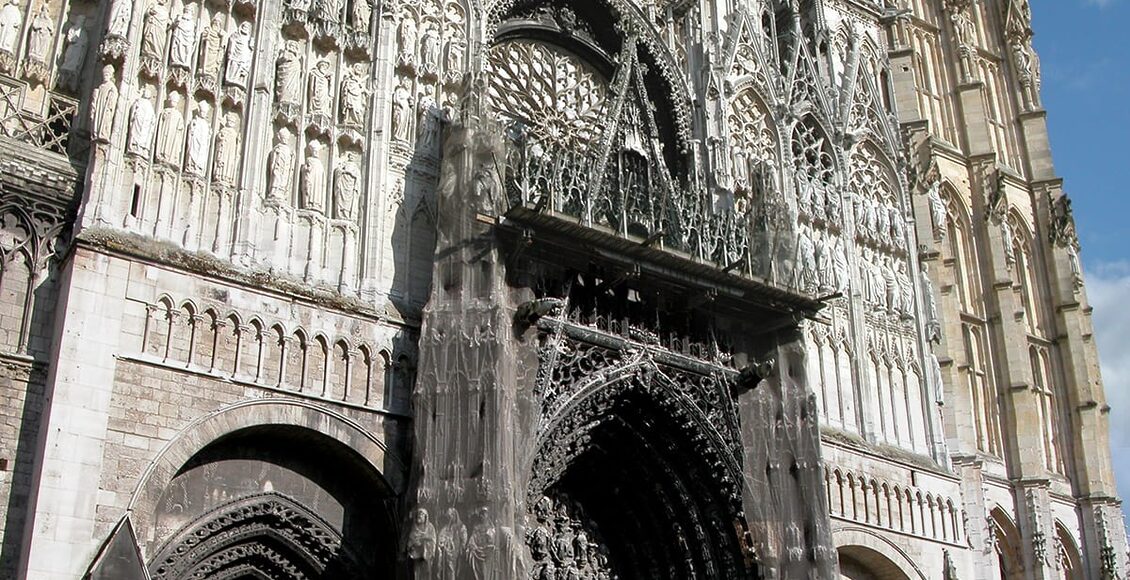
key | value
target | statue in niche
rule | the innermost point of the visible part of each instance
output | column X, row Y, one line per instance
column 883, row 223
column 313, row 178
column 184, row 38
column 840, row 268
column 449, row 545
column 890, row 284
column 226, row 158
column 486, row 190
column 824, row 271
column 77, row 42
column 210, row 55
column 120, row 13
column 321, row 94
column 347, row 187
column 11, row 20
column 805, row 261
column 453, row 61
column 406, row 35
column 142, row 118
column 281, row 166
column 481, row 544
column 239, row 57
column 39, row 36
column 429, row 49
column 199, row 139
column 739, row 166
column 422, row 538
column 401, row 111
column 354, row 94
column 360, row 14
column 906, row 292
column 898, row 225
column 937, row 209
column 933, row 324
column 936, row 378
column 428, row 131
column 154, row 34
column 103, row 103
column 1006, row 239
column 867, row 278
column 288, row 73
column 170, row 130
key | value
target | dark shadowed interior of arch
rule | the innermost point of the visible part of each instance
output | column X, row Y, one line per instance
column 275, row 501
column 861, row 563
column 638, row 487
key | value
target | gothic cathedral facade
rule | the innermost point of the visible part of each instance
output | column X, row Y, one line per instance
column 541, row 289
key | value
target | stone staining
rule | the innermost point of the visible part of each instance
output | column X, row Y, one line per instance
column 74, row 56
column 103, row 103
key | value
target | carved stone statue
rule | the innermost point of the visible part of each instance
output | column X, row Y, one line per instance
column 805, row 261
column 11, row 20
column 429, row 49
column 933, row 324
column 170, row 131
column 39, row 36
column 481, row 544
column 354, row 96
column 78, row 42
column 906, row 291
column 184, row 38
column 288, row 73
column 239, row 57
column 142, row 119
column 406, row 37
column 155, row 33
column 210, row 55
column 103, row 103
column 486, row 191
column 199, row 140
column 313, row 178
column 936, row 378
column 281, row 167
column 225, row 160
column 938, row 215
column 449, row 546
column 453, row 61
column 120, row 13
column 890, row 284
column 401, row 111
column 360, row 14
column 840, row 268
column 422, row 538
column 347, row 187
column 320, row 92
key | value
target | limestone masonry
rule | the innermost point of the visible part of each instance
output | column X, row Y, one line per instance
column 541, row 289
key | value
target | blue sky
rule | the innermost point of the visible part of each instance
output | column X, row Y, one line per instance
column 1086, row 89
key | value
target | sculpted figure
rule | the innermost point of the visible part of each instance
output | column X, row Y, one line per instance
column 906, row 291
column 331, row 10
column 10, row 22
column 480, row 545
column 239, row 57
column 39, row 37
column 933, row 324
column 141, row 121
column 354, row 94
column 211, row 52
column 805, row 261
column 937, row 209
column 406, row 35
column 120, row 13
column 487, row 188
column 428, row 129
column 103, row 103
column 429, row 49
column 75, row 55
column 184, row 38
column 281, row 167
column 347, row 187
column 883, row 224
column 154, row 32
column 422, row 537
column 199, row 138
column 453, row 60
column 840, row 268
column 226, row 158
column 170, row 131
column 824, row 270
column 320, row 92
column 288, row 74
column 890, row 284
column 401, row 111
column 361, row 13
column 313, row 178
column 450, row 544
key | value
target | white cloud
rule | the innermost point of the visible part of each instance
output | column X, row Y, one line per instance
column 1108, row 286
column 1099, row 3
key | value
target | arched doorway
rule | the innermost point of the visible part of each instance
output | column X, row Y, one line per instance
column 863, row 563
column 274, row 501
column 631, row 480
